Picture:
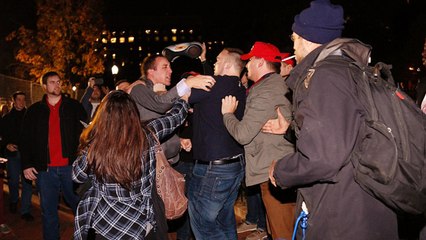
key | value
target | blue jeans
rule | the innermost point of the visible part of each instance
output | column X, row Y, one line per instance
column 50, row 184
column 184, row 230
column 14, row 173
column 255, row 207
column 212, row 193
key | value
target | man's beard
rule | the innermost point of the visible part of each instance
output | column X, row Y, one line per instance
column 55, row 92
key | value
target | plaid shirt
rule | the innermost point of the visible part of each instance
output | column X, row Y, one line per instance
column 114, row 212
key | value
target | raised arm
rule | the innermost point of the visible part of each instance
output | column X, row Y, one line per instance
column 164, row 126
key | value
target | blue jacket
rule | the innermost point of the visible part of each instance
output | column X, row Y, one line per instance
column 211, row 140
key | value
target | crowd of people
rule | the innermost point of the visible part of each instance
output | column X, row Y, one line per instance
column 232, row 127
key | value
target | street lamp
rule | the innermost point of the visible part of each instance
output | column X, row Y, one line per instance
column 114, row 70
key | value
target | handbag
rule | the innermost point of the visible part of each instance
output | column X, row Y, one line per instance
column 170, row 185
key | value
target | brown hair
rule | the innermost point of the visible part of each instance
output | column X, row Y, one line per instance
column 149, row 63
column 48, row 75
column 116, row 141
column 16, row 94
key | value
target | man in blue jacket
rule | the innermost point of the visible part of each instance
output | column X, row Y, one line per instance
column 219, row 159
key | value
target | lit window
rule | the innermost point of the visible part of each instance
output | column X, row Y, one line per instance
column 191, row 31
column 113, row 56
column 113, row 40
column 104, row 40
column 156, row 31
column 131, row 39
column 165, row 39
column 174, row 38
column 148, row 31
column 122, row 39
column 174, row 30
column 140, row 48
column 105, row 55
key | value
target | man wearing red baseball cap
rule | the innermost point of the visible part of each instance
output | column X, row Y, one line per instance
column 264, row 96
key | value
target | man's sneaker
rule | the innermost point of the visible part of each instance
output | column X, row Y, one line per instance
column 27, row 217
column 246, row 227
column 257, row 235
column 5, row 229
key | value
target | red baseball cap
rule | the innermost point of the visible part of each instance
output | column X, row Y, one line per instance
column 264, row 50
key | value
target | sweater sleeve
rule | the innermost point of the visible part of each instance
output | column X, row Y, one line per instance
column 165, row 125
column 159, row 103
column 260, row 107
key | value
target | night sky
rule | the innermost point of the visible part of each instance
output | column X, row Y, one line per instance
column 396, row 30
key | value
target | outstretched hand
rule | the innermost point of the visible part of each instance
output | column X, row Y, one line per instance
column 203, row 82
column 276, row 126
column 229, row 104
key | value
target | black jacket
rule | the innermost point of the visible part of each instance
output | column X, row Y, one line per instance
column 211, row 140
column 35, row 132
column 328, row 117
column 11, row 127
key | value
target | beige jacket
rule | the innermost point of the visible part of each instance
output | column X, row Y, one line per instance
column 261, row 148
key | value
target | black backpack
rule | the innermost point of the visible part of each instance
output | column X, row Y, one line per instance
column 389, row 156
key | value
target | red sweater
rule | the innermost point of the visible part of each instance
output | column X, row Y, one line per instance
column 55, row 142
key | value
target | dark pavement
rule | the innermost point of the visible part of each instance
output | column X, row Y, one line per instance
column 23, row 230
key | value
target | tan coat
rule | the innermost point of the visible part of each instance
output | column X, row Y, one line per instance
column 261, row 148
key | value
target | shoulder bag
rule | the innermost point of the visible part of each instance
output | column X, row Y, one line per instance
column 170, row 185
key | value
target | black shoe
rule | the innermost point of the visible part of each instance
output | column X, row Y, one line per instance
column 13, row 207
column 27, row 217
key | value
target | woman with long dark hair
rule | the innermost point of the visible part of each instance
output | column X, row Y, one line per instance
column 117, row 155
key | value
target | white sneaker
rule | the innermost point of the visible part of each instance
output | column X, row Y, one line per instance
column 257, row 235
column 4, row 229
column 246, row 227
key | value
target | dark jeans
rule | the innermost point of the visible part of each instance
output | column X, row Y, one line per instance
column 14, row 173
column 255, row 207
column 50, row 184
column 212, row 193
